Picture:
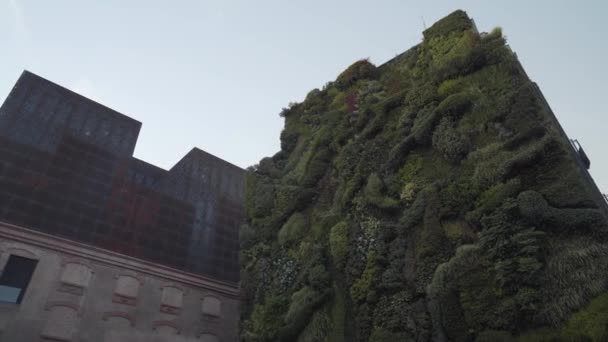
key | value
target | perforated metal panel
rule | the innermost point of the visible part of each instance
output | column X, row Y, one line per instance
column 66, row 168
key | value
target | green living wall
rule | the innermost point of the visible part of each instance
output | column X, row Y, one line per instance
column 432, row 198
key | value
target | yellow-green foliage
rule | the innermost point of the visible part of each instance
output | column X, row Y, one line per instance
column 495, row 33
column 301, row 314
column 408, row 192
column 293, row 229
column 359, row 70
column 410, row 169
column 260, row 196
column 338, row 316
column 322, row 221
column 408, row 178
column 363, row 285
column 339, row 102
column 492, row 198
column 591, row 322
column 333, row 92
column 588, row 324
column 431, row 237
column 444, row 301
column 434, row 168
column 453, row 145
column 535, row 209
column 494, row 162
column 266, row 319
column 300, row 300
column 454, row 22
column 317, row 329
column 296, row 156
column 458, row 231
column 449, row 87
column 374, row 193
column 446, row 48
column 338, row 243
column 456, row 104
column 383, row 335
column 574, row 274
column 300, row 169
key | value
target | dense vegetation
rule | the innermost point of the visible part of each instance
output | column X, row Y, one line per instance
column 431, row 198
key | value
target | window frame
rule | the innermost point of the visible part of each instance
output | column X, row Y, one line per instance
column 24, row 282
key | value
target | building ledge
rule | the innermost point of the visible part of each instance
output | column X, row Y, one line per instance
column 46, row 241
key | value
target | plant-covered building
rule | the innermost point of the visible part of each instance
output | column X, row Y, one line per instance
column 431, row 198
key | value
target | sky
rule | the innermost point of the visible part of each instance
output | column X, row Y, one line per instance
column 215, row 74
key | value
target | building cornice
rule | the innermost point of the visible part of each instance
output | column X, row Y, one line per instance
column 103, row 256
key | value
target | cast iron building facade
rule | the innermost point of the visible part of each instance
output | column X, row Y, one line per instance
column 73, row 196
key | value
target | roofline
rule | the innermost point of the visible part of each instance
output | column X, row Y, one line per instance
column 82, row 97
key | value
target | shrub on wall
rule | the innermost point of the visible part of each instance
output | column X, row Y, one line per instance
column 429, row 198
column 293, row 229
column 453, row 145
column 359, row 70
column 338, row 242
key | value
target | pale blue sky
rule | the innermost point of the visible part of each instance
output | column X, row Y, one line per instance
column 215, row 74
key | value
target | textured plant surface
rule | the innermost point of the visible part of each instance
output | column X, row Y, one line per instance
column 432, row 198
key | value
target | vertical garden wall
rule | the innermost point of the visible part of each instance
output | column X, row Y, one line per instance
column 433, row 198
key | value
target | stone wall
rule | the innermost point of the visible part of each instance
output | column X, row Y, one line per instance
column 82, row 293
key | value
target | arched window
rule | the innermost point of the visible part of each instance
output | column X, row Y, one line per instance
column 171, row 300
column 62, row 322
column 75, row 278
column 166, row 328
column 126, row 290
column 76, row 274
column 211, row 306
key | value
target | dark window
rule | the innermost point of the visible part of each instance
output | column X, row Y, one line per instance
column 15, row 278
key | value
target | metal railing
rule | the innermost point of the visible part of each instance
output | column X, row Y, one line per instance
column 597, row 194
column 580, row 153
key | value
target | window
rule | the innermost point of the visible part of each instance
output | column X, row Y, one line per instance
column 211, row 306
column 76, row 274
column 61, row 323
column 75, row 278
column 172, row 300
column 172, row 296
column 126, row 290
column 127, row 286
column 15, row 278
